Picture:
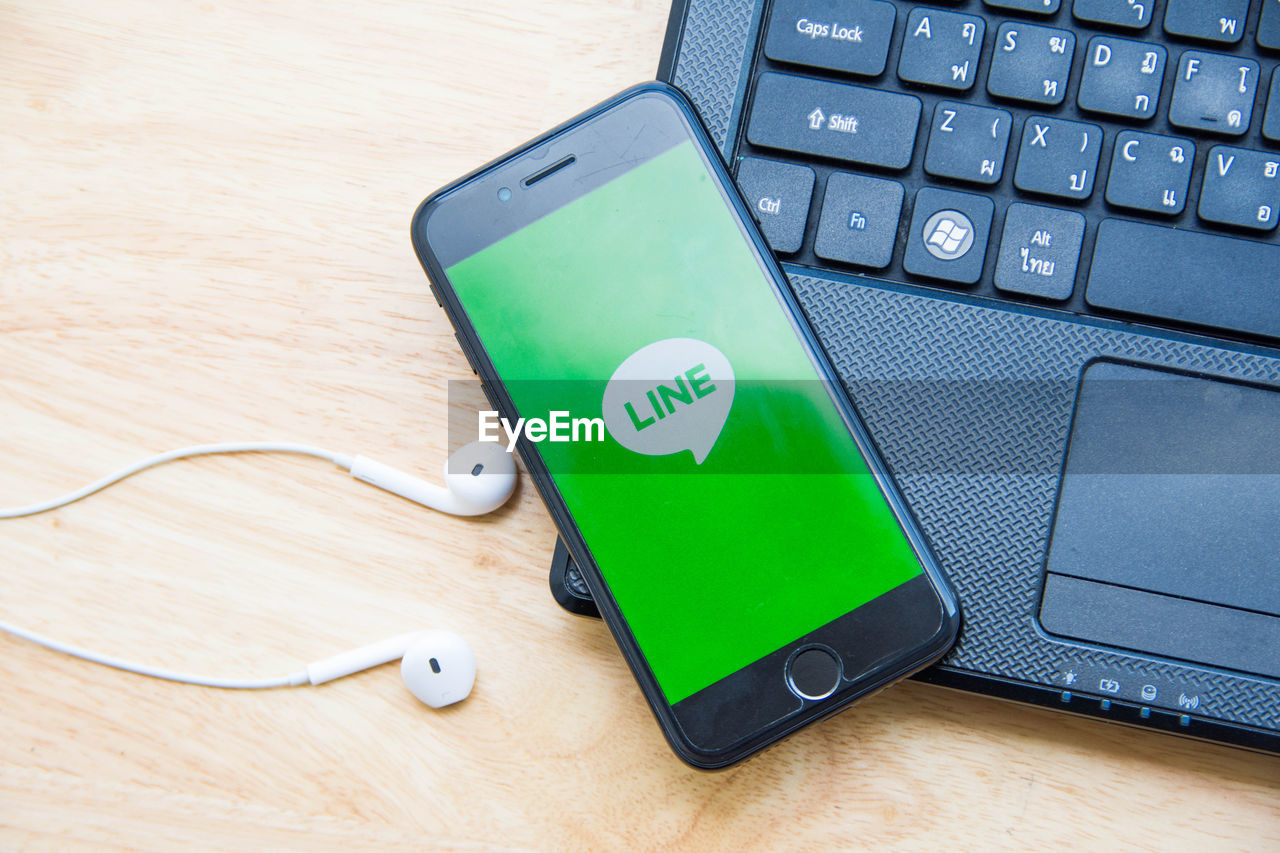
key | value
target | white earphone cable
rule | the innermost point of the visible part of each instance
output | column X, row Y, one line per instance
column 480, row 494
column 290, row 680
column 340, row 459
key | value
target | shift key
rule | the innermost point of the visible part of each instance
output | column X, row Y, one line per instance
column 837, row 120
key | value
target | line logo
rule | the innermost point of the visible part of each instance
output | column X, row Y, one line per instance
column 670, row 396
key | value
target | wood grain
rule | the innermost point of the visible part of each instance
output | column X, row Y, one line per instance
column 204, row 215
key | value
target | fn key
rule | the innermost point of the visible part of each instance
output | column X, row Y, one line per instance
column 779, row 195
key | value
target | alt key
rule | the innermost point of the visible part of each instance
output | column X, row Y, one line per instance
column 1039, row 251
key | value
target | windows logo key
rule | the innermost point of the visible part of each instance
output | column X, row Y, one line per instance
column 948, row 235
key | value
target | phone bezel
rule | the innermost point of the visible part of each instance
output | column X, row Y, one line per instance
column 930, row 591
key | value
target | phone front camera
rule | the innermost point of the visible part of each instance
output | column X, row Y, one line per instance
column 504, row 194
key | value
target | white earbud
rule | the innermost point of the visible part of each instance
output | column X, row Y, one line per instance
column 438, row 667
column 479, row 478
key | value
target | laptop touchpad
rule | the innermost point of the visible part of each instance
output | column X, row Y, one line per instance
column 1167, row 535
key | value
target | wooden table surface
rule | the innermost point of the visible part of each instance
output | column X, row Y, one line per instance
column 204, row 214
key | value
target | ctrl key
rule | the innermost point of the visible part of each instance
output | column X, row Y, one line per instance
column 779, row 196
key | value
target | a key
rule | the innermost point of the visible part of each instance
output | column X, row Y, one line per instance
column 1220, row 21
column 779, row 195
column 852, row 123
column 948, row 235
column 1058, row 157
column 1037, row 7
column 968, row 143
column 1124, row 14
column 839, row 35
column 1039, row 251
column 941, row 49
column 1122, row 77
column 1176, row 274
column 1241, row 188
column 1271, row 120
column 1031, row 63
column 1269, row 25
column 1214, row 93
column 859, row 220
column 1150, row 172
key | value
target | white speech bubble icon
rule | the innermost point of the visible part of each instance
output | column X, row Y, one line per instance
column 670, row 396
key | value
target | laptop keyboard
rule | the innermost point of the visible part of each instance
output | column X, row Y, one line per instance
column 1112, row 157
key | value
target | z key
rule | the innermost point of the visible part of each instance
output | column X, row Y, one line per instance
column 968, row 143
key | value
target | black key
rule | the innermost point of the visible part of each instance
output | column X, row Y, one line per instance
column 1241, row 188
column 859, row 220
column 1214, row 93
column 1037, row 7
column 840, row 35
column 779, row 195
column 1269, row 26
column 941, row 49
column 1271, row 121
column 1125, row 14
column 837, row 120
column 1122, row 77
column 1039, row 251
column 948, row 236
column 968, row 143
column 1058, row 157
column 1031, row 63
column 1179, row 275
column 1220, row 21
column 1150, row 172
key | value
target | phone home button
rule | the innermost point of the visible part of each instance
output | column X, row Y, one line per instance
column 813, row 673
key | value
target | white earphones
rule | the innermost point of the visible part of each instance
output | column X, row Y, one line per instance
column 478, row 479
column 437, row 666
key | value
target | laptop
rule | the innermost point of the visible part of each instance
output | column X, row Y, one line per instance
column 1038, row 239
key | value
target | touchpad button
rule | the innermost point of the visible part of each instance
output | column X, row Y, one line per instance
column 1171, row 486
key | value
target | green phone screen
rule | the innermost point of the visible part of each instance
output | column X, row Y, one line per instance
column 726, row 505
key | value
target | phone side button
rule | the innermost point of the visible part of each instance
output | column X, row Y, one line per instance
column 488, row 395
column 466, row 352
column 813, row 673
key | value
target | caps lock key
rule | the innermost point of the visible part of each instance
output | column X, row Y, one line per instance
column 838, row 35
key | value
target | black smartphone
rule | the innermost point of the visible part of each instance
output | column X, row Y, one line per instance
column 642, row 349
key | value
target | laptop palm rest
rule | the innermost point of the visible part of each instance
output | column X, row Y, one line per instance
column 1166, row 538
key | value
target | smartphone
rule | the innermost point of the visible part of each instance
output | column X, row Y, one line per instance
column 643, row 351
